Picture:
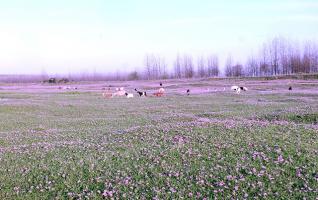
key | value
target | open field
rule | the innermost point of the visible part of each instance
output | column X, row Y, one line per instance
column 214, row 143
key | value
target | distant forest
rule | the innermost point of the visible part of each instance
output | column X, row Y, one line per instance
column 278, row 56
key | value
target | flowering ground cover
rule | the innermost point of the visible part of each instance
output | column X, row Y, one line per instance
column 217, row 145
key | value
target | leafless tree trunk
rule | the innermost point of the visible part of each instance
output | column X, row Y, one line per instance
column 148, row 66
column 295, row 59
column 273, row 48
column 237, row 70
column 314, row 67
column 283, row 56
column 188, row 66
column 228, row 66
column 201, row 67
column 310, row 57
column 177, row 67
column 213, row 65
column 155, row 67
column 163, row 68
column 264, row 66
column 252, row 67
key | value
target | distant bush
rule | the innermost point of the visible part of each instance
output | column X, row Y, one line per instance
column 64, row 80
column 133, row 76
column 51, row 80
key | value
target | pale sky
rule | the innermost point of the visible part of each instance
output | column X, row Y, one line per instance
column 69, row 36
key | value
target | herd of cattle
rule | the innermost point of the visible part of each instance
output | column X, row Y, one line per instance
column 121, row 92
column 159, row 93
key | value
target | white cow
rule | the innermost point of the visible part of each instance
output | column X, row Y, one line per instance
column 129, row 95
column 238, row 89
column 161, row 90
column 119, row 93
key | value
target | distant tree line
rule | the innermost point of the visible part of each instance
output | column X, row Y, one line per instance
column 277, row 56
column 155, row 67
column 183, row 67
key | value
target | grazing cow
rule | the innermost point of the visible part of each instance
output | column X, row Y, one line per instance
column 129, row 95
column 160, row 84
column 238, row 89
column 290, row 88
column 161, row 90
column 158, row 94
column 142, row 94
column 108, row 94
column 243, row 88
column 119, row 93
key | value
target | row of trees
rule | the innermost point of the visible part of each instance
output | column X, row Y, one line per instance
column 156, row 67
column 278, row 56
column 183, row 67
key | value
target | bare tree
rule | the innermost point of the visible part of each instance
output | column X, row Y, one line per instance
column 201, row 67
column 187, row 66
column 133, row 75
column 273, row 51
column 213, row 65
column 228, row 66
column 148, row 66
column 163, row 68
column 155, row 66
column 314, row 67
column 237, row 70
column 295, row 63
column 283, row 56
column 252, row 67
column 307, row 61
column 264, row 63
column 310, row 57
column 177, row 67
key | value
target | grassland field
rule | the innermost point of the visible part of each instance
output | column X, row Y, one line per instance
column 213, row 144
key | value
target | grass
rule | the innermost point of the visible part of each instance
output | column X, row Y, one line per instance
column 78, row 145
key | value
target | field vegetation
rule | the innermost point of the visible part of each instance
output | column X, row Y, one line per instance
column 212, row 144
